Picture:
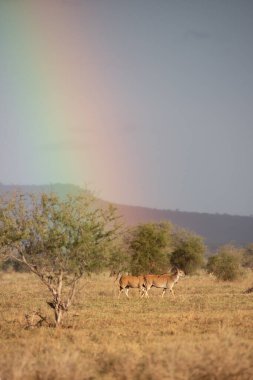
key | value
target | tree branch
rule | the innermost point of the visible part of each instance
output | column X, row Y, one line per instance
column 72, row 290
column 34, row 270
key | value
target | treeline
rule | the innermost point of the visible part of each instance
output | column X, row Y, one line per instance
column 156, row 247
column 61, row 240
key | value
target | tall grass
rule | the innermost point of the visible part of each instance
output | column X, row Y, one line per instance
column 205, row 333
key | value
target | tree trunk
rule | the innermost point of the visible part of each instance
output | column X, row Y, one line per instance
column 58, row 307
column 58, row 316
column 61, row 307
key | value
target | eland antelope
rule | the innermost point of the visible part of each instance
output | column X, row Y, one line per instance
column 165, row 281
column 126, row 282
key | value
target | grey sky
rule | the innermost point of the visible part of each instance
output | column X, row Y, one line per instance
column 179, row 78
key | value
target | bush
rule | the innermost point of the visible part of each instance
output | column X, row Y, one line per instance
column 189, row 252
column 150, row 246
column 226, row 264
column 247, row 260
column 13, row 266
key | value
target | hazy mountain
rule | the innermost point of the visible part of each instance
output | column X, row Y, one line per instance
column 215, row 228
column 59, row 188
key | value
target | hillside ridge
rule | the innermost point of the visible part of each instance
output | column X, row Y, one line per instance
column 216, row 228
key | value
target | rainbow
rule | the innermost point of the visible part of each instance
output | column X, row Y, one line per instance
column 57, row 96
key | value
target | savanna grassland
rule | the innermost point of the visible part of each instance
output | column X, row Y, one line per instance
column 205, row 333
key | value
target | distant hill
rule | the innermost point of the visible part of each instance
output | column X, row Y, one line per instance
column 217, row 229
column 58, row 188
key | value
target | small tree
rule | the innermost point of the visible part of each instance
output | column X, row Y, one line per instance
column 150, row 247
column 58, row 240
column 226, row 264
column 188, row 254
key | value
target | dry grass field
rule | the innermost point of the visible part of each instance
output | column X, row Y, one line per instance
column 205, row 333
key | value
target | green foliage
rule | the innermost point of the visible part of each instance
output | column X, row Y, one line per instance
column 10, row 265
column 226, row 264
column 69, row 235
column 188, row 254
column 119, row 257
column 58, row 240
column 247, row 260
column 150, row 246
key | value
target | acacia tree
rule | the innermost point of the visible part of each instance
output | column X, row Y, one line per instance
column 58, row 240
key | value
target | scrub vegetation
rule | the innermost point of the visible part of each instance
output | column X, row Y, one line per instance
column 205, row 333
column 57, row 253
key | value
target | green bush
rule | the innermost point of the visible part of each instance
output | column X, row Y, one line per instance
column 189, row 251
column 150, row 246
column 226, row 264
column 13, row 266
column 247, row 260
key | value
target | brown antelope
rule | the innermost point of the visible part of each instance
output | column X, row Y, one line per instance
column 116, row 274
column 126, row 282
column 165, row 281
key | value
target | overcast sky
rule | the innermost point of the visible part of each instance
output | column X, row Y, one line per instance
column 164, row 92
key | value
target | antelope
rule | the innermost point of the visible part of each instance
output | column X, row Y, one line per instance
column 116, row 274
column 126, row 282
column 165, row 281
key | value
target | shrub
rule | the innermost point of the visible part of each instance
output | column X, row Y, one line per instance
column 226, row 264
column 150, row 246
column 189, row 251
column 10, row 265
column 247, row 260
